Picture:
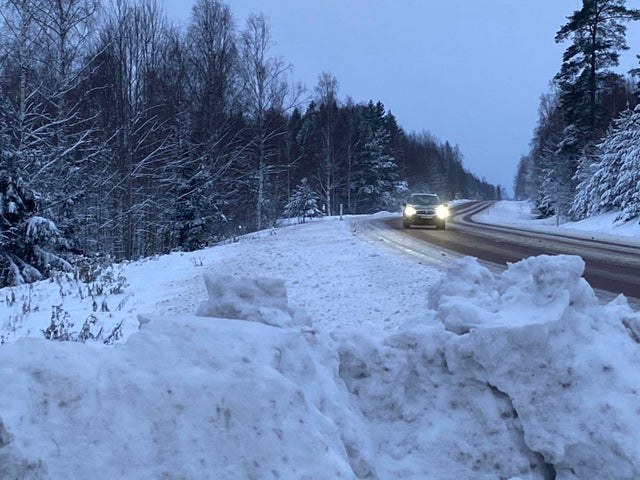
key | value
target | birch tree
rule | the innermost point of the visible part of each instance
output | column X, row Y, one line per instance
column 206, row 174
column 134, row 44
column 264, row 94
column 328, row 173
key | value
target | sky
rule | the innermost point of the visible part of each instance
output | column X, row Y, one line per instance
column 468, row 72
column 257, row 359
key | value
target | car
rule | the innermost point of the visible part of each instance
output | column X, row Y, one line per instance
column 424, row 209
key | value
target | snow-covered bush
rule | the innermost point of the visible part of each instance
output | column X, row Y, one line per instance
column 101, row 274
column 61, row 329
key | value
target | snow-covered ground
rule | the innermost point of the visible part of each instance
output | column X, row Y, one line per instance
column 306, row 353
column 601, row 226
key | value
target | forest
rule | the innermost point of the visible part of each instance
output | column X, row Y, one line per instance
column 123, row 136
column 584, row 157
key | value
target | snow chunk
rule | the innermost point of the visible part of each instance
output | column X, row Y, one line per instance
column 184, row 397
column 465, row 280
column 620, row 308
column 568, row 365
column 262, row 300
column 426, row 417
column 546, row 280
column 530, row 291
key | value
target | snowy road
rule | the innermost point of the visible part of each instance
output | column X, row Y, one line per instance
column 612, row 266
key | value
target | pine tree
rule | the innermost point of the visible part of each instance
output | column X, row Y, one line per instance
column 597, row 32
column 376, row 172
column 303, row 202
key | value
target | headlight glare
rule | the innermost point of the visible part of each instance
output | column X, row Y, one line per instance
column 409, row 211
column 442, row 212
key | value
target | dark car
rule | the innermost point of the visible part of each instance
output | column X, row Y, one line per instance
column 424, row 209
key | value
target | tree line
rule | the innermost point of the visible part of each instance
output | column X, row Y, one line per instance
column 124, row 135
column 583, row 158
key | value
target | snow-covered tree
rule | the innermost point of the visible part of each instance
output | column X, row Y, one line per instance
column 615, row 181
column 44, row 62
column 303, row 202
column 589, row 93
column 204, row 178
column 375, row 177
column 29, row 242
column 265, row 95
column 585, row 195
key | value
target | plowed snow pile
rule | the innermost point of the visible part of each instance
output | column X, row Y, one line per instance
column 522, row 376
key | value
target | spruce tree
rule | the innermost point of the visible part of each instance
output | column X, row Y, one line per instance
column 615, row 182
column 303, row 202
column 376, row 175
column 29, row 242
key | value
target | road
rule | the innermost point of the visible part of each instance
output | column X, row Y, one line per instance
column 611, row 266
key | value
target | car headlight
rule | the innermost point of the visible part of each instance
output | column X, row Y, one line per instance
column 409, row 211
column 442, row 212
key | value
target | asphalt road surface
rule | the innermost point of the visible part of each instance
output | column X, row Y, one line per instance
column 611, row 266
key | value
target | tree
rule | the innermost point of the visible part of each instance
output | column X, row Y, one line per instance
column 597, row 32
column 206, row 175
column 550, row 182
column 303, row 202
column 211, row 57
column 376, row 177
column 68, row 29
column 264, row 92
column 327, row 172
column 33, row 154
column 29, row 242
column 137, row 123
column 615, row 181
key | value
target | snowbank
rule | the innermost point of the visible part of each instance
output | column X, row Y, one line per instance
column 569, row 366
column 522, row 376
column 186, row 397
column 522, row 214
column 429, row 420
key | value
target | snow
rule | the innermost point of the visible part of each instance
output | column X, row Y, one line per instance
column 568, row 365
column 602, row 226
column 307, row 353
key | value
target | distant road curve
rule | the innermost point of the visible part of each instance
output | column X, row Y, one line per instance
column 611, row 266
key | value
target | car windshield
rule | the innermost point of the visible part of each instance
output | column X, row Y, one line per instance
column 424, row 200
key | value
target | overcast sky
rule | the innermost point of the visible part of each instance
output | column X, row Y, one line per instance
column 468, row 71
